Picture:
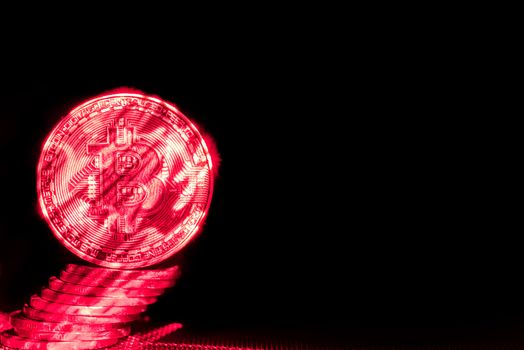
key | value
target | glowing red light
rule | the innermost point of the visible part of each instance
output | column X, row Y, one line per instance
column 125, row 180
column 4, row 321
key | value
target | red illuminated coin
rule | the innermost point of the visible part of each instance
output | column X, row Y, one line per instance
column 125, row 180
column 71, row 299
column 72, row 336
column 40, row 304
column 20, row 322
column 106, row 282
column 60, row 286
column 11, row 340
column 169, row 273
column 40, row 315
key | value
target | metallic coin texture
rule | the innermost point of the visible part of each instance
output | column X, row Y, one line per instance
column 71, row 299
column 106, row 282
column 38, row 303
column 74, row 336
column 163, row 274
column 58, row 285
column 12, row 340
column 21, row 322
column 125, row 180
column 40, row 315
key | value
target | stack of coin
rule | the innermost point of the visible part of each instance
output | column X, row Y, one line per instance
column 86, row 308
column 124, row 181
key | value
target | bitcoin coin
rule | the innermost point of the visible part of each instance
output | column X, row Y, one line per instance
column 58, row 285
column 20, row 322
column 170, row 273
column 71, row 299
column 40, row 315
column 106, row 282
column 40, row 304
column 12, row 340
column 125, row 180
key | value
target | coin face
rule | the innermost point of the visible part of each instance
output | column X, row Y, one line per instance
column 125, row 180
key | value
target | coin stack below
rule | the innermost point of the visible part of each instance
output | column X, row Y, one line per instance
column 86, row 308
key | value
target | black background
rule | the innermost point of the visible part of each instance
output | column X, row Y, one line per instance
column 348, row 202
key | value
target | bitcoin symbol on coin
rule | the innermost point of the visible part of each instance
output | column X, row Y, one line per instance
column 125, row 180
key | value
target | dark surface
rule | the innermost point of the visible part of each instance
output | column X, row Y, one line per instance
column 344, row 210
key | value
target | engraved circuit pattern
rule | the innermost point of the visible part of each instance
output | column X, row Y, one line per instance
column 125, row 180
